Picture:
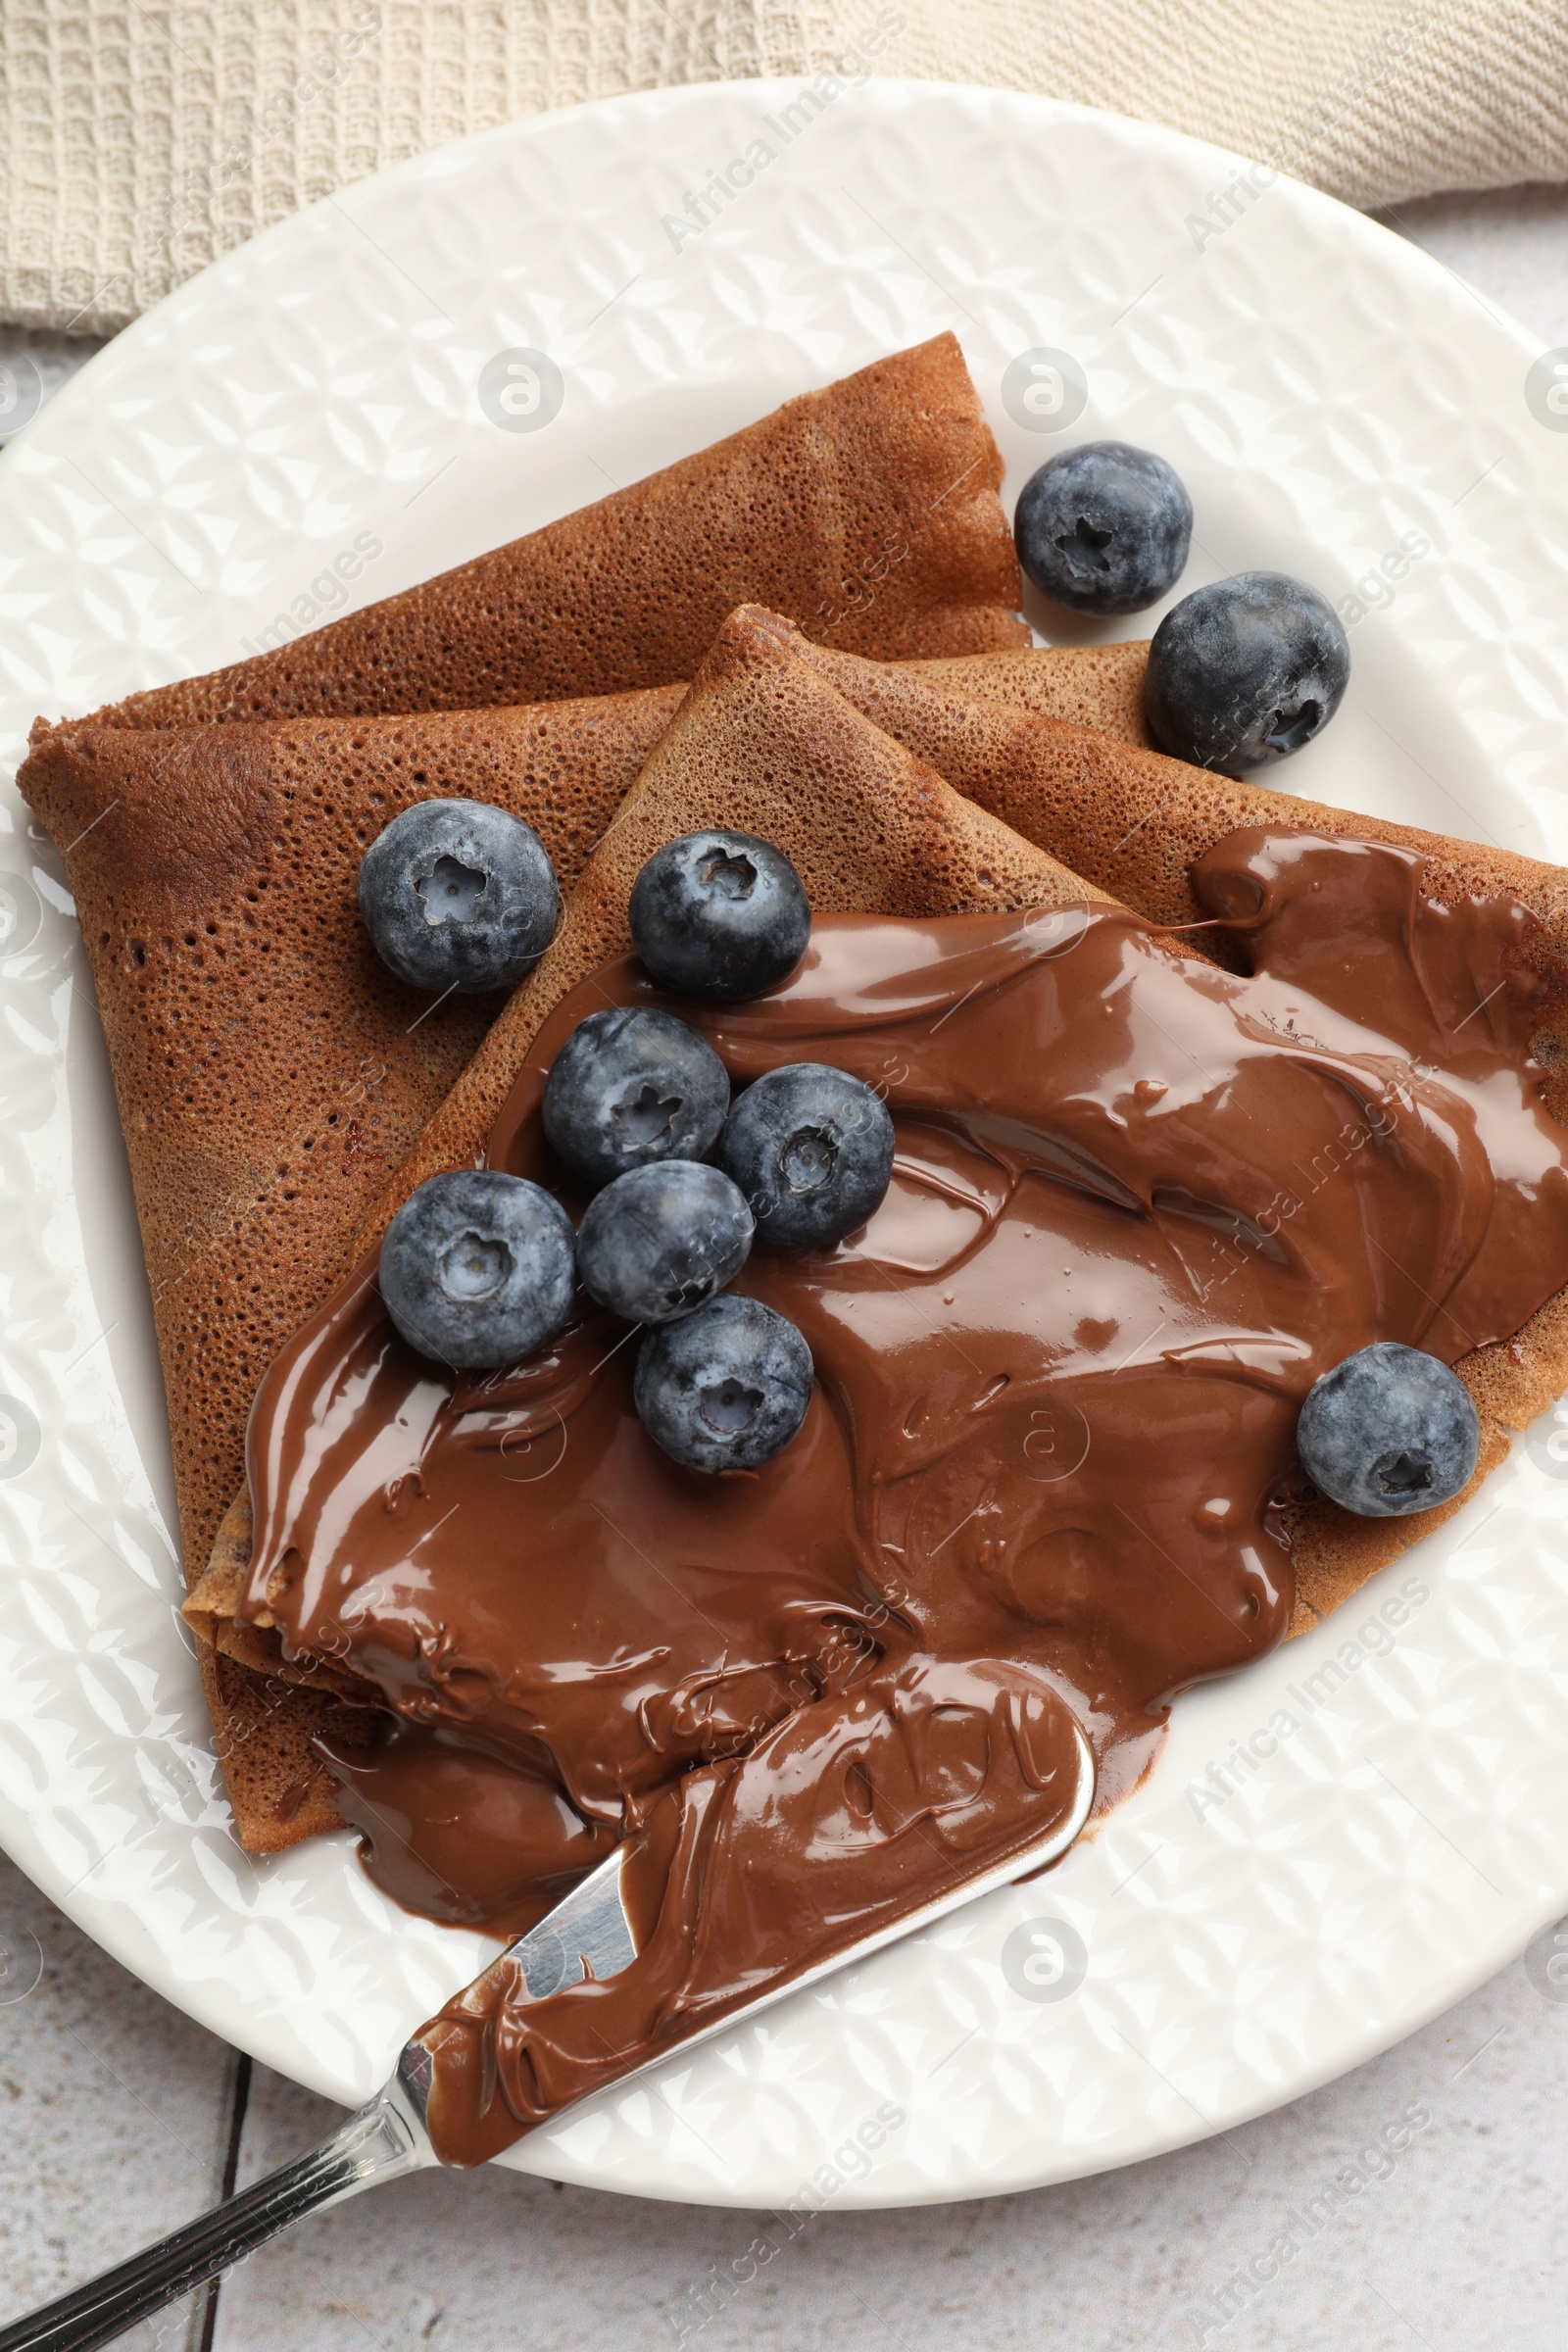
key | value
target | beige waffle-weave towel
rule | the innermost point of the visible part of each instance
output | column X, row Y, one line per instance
column 140, row 140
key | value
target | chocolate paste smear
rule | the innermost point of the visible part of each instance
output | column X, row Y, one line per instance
column 1139, row 1204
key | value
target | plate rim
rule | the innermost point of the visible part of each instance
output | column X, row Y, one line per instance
column 97, row 373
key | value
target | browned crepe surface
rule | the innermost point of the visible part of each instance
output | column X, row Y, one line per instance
column 270, row 1070
column 760, row 742
column 1134, row 821
column 271, row 1073
column 767, row 745
column 1099, row 686
column 1052, row 781
column 866, row 512
column 1116, row 810
column 1129, row 818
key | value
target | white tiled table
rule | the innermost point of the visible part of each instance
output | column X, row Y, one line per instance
column 118, row 2118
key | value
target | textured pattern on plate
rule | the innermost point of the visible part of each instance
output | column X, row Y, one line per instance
column 1340, row 408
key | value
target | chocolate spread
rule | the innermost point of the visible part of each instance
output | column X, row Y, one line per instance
column 1139, row 1202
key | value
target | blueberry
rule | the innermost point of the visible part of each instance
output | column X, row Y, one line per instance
column 661, row 1241
column 811, row 1148
column 630, row 1086
column 1104, row 528
column 726, row 1387
column 719, row 914
column 1388, row 1431
column 458, row 895
column 477, row 1268
column 1245, row 673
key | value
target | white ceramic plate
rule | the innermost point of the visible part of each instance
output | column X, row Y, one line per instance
column 1340, row 408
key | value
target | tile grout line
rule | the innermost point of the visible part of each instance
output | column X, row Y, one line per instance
column 236, row 2132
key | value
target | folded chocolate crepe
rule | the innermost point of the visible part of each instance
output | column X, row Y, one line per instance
column 269, row 1725
column 1134, row 823
column 581, row 1633
column 1097, row 686
column 866, row 512
column 271, row 1073
column 270, row 1070
column 766, row 744
column 1132, row 819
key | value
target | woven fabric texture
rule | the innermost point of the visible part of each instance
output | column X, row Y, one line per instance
column 140, row 141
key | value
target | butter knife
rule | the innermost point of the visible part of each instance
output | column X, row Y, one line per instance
column 587, row 1931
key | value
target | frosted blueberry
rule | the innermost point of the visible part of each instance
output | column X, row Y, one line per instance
column 1388, row 1431
column 1104, row 527
column 811, row 1148
column 630, row 1086
column 1245, row 673
column 659, row 1240
column 719, row 914
column 477, row 1268
column 726, row 1387
column 458, row 895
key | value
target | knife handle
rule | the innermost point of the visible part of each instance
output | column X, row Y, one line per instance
column 379, row 2144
